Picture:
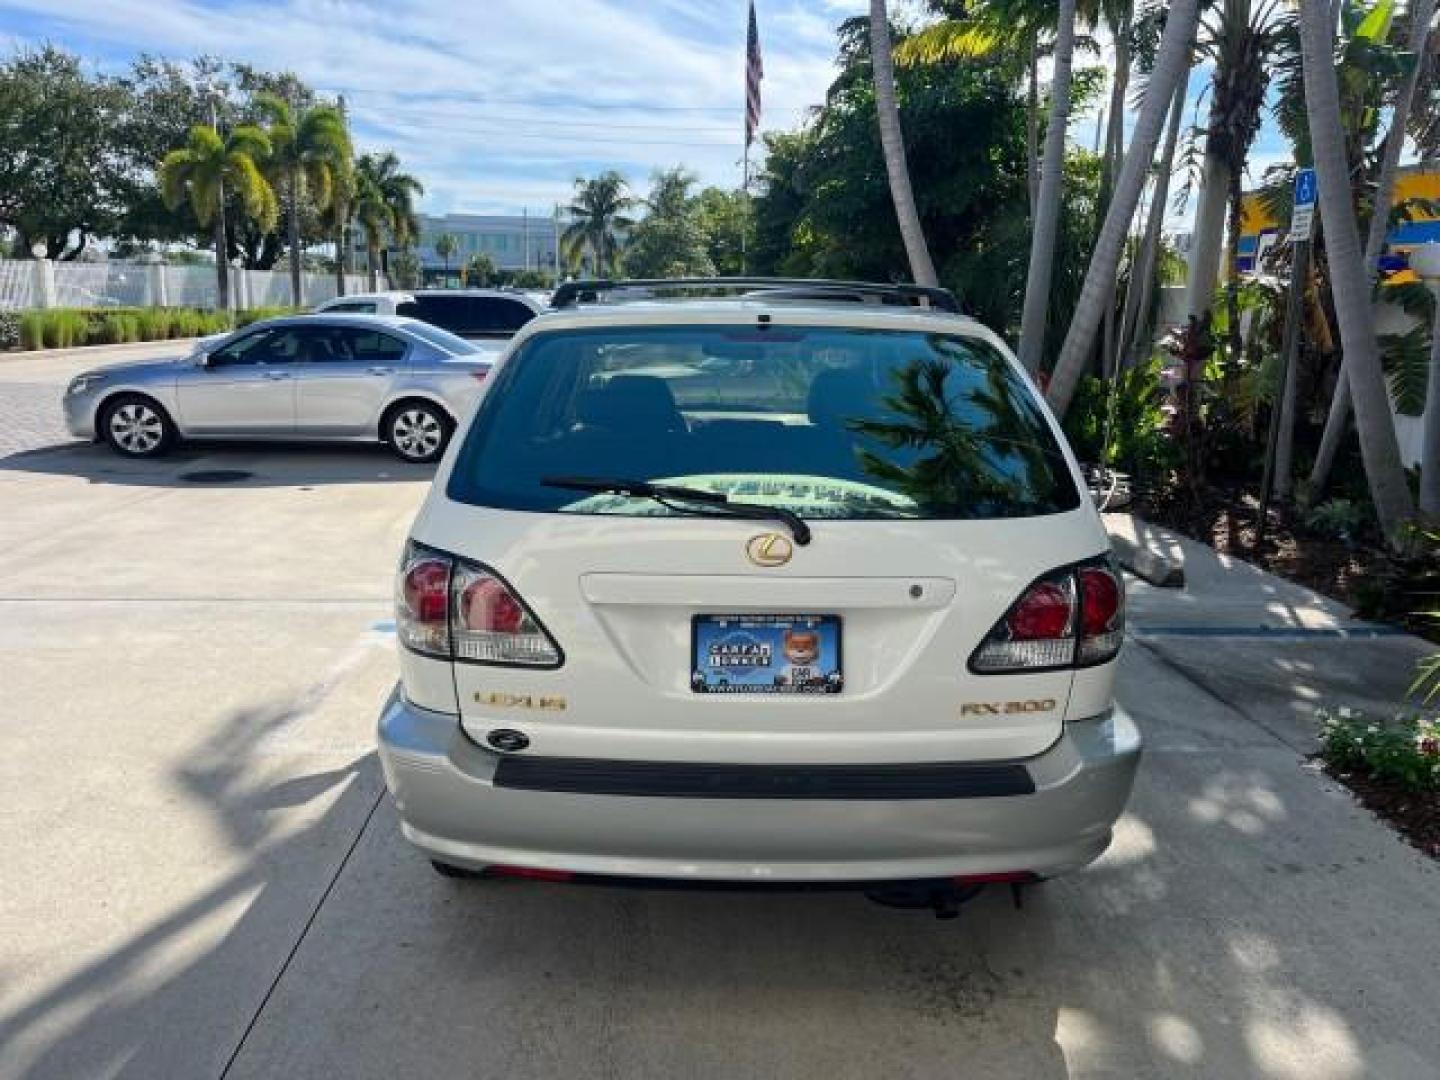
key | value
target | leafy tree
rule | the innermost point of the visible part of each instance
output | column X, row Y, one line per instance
column 824, row 208
column 59, row 175
column 446, row 244
column 384, row 205
column 597, row 219
column 202, row 170
column 669, row 241
column 480, row 269
column 309, row 148
column 725, row 220
column 166, row 100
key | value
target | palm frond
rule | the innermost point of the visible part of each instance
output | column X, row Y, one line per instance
column 1406, row 359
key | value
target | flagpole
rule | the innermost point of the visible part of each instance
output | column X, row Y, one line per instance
column 745, row 196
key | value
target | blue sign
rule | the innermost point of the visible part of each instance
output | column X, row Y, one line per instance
column 1305, row 188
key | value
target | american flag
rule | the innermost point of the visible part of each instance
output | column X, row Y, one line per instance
column 754, row 72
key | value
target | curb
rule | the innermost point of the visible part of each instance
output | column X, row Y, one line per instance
column 95, row 350
column 1149, row 565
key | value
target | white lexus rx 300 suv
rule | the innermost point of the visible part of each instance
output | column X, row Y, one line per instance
column 801, row 586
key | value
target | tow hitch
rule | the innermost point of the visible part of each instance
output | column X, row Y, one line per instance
column 945, row 897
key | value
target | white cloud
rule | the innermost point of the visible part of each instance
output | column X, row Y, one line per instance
column 499, row 104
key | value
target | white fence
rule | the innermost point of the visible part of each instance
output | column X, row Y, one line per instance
column 39, row 283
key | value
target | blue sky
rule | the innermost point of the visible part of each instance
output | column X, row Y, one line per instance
column 499, row 104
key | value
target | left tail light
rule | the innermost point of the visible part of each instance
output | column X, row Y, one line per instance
column 1070, row 618
column 453, row 609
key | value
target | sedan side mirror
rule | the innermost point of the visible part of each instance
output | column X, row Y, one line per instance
column 201, row 359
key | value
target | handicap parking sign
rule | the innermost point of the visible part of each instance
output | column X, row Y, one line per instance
column 1305, row 189
column 1302, row 222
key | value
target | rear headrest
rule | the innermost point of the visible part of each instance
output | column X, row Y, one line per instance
column 838, row 395
column 643, row 403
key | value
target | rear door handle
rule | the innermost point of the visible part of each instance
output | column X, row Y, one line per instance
column 277, row 374
column 381, row 371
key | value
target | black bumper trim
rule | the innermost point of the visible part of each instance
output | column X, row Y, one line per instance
column 663, row 779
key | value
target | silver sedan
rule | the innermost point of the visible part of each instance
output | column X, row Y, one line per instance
column 349, row 377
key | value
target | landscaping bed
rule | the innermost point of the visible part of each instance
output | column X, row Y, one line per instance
column 65, row 328
column 1393, row 767
column 1354, row 568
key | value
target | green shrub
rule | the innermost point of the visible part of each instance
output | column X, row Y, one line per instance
column 1404, row 750
column 117, row 328
column 1341, row 519
column 1136, row 438
column 65, row 328
column 153, row 324
column 32, row 330
column 250, row 315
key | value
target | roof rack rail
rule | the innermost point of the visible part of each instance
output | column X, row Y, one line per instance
column 571, row 293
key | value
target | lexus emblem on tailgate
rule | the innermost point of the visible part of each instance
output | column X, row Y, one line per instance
column 769, row 549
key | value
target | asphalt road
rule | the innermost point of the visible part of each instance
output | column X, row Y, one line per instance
column 202, row 877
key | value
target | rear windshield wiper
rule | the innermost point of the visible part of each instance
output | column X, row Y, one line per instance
column 673, row 496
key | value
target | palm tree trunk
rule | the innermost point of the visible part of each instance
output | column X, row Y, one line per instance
column 340, row 252
column 1378, row 446
column 893, row 142
column 1430, row 433
column 1135, row 327
column 1171, row 64
column 1032, row 126
column 1422, row 12
column 222, row 264
column 372, row 261
column 1115, row 129
column 297, row 295
column 1203, row 272
column 1046, row 221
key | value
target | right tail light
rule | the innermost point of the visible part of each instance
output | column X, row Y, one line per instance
column 453, row 609
column 1070, row 618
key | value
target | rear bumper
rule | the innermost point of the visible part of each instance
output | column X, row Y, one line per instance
column 452, row 809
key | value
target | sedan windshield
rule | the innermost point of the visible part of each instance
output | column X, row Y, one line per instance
column 443, row 339
column 823, row 422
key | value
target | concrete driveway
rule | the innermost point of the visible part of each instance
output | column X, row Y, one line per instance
column 202, row 877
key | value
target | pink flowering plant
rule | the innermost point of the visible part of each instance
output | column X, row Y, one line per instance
column 1405, row 749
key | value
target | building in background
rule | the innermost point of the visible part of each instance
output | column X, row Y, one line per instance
column 513, row 242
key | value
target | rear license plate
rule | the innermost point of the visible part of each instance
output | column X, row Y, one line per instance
column 765, row 654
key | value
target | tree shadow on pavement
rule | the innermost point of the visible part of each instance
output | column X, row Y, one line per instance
column 264, row 464
column 175, row 998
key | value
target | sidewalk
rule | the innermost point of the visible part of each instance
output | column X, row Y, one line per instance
column 1268, row 648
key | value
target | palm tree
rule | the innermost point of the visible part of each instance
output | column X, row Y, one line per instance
column 1135, row 328
column 596, row 215
column 1422, row 13
column 1240, row 39
column 478, row 270
column 446, row 244
column 997, row 32
column 308, row 148
column 892, row 141
column 1378, row 446
column 203, row 169
column 384, row 205
column 338, row 218
column 1036, row 312
column 1172, row 63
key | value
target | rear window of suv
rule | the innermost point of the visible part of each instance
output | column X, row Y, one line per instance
column 827, row 422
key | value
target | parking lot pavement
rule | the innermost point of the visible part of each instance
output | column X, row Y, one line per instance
column 202, row 877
